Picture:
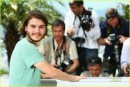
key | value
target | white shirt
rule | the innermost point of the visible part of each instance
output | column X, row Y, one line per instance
column 44, row 47
column 92, row 35
column 88, row 74
column 125, row 56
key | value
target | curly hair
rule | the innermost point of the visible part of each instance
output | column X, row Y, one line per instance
column 33, row 14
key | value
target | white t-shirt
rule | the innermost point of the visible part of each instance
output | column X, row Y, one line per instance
column 125, row 56
column 92, row 35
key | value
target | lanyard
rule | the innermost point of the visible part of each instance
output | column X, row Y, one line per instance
column 59, row 51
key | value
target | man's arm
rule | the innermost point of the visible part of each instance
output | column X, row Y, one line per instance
column 55, row 73
column 73, row 67
column 69, row 19
column 74, row 57
column 101, row 41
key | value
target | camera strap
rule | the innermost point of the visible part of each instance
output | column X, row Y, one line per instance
column 58, row 51
column 82, row 27
column 87, row 14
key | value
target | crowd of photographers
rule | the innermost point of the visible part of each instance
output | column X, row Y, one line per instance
column 71, row 53
column 72, row 50
column 75, row 42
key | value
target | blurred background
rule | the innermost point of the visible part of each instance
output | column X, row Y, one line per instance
column 13, row 13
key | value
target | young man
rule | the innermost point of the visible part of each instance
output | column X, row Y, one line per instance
column 59, row 50
column 26, row 61
column 94, row 68
column 114, row 31
column 82, row 25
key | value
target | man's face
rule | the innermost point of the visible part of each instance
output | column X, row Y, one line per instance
column 35, row 30
column 76, row 10
column 113, row 22
column 95, row 70
column 58, row 33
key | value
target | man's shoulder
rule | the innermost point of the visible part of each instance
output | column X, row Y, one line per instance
column 47, row 40
column 24, row 45
column 86, row 73
column 105, row 74
column 68, row 38
column 22, row 42
column 69, row 14
column 103, row 24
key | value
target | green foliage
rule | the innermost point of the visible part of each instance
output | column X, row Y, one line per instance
column 13, row 13
column 3, row 72
column 126, row 10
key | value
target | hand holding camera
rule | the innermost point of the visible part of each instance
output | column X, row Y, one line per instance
column 110, row 39
column 107, row 41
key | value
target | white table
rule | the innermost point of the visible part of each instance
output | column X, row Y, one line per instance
column 90, row 82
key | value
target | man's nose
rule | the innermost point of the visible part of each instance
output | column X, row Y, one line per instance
column 94, row 72
column 37, row 29
column 57, row 33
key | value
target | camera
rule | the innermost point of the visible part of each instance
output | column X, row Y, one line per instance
column 114, row 59
column 79, row 40
column 65, row 64
column 86, row 23
column 86, row 20
column 112, row 38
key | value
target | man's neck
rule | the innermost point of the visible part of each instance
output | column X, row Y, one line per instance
column 81, row 12
column 35, row 43
column 59, row 42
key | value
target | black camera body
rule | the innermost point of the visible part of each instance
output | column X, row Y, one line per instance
column 65, row 64
column 79, row 40
column 112, row 38
column 86, row 20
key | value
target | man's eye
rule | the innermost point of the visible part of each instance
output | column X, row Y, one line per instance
column 42, row 26
column 33, row 26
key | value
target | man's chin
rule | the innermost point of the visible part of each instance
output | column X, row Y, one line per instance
column 37, row 40
column 34, row 40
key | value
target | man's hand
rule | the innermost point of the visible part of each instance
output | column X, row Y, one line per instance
column 78, row 78
column 45, row 76
column 107, row 41
column 124, row 70
column 70, row 32
column 122, row 38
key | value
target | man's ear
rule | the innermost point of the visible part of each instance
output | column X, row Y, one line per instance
column 25, row 28
column 88, row 67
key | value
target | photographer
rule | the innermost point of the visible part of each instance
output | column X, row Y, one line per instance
column 82, row 25
column 95, row 68
column 125, row 57
column 59, row 50
column 114, row 30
